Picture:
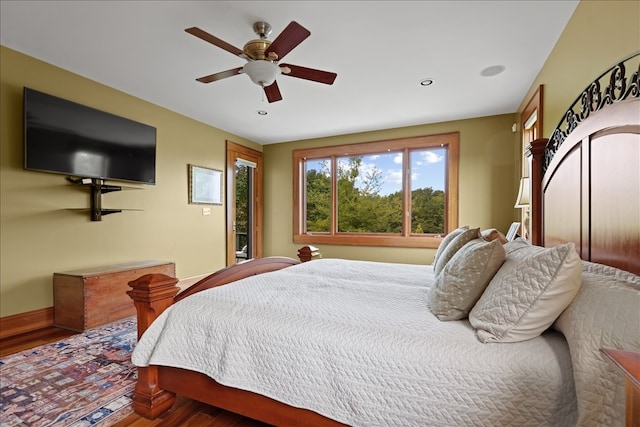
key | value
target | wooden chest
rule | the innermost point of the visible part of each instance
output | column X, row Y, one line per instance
column 87, row 298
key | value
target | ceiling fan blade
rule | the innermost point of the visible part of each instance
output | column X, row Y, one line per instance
column 312, row 74
column 273, row 92
column 219, row 76
column 201, row 34
column 289, row 38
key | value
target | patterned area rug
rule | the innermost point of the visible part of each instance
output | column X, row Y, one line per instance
column 85, row 380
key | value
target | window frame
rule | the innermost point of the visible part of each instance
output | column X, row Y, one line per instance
column 449, row 140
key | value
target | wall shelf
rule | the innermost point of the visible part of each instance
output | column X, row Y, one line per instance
column 97, row 188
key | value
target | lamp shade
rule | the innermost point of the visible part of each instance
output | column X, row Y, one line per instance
column 262, row 73
column 524, row 192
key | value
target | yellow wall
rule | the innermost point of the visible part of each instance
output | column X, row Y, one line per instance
column 40, row 236
column 486, row 192
column 599, row 34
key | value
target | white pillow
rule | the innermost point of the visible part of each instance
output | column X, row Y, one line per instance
column 528, row 293
column 454, row 246
column 516, row 244
column 457, row 288
column 447, row 239
column 604, row 314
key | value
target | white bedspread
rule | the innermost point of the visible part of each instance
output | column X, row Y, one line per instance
column 355, row 341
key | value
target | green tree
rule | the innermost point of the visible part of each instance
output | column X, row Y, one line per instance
column 242, row 205
column 348, row 196
column 318, row 201
column 361, row 208
column 427, row 211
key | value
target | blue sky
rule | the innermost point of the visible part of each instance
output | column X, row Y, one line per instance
column 427, row 169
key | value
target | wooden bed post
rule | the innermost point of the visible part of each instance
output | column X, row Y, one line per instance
column 307, row 253
column 151, row 294
column 536, row 149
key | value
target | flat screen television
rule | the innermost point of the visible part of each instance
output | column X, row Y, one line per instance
column 64, row 137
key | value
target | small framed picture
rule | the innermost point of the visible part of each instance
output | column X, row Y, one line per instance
column 205, row 186
column 513, row 231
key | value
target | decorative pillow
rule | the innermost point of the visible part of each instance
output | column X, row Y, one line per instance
column 604, row 314
column 611, row 273
column 456, row 243
column 447, row 239
column 457, row 288
column 492, row 234
column 528, row 293
column 516, row 245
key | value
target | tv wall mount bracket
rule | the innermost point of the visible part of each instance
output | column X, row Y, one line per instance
column 97, row 188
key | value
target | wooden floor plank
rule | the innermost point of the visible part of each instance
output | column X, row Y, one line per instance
column 32, row 339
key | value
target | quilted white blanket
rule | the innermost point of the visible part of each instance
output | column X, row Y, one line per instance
column 355, row 341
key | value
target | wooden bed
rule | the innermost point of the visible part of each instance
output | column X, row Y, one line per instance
column 586, row 190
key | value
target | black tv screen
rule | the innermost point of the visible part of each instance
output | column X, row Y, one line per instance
column 64, row 137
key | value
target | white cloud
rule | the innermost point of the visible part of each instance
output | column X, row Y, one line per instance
column 393, row 176
column 432, row 157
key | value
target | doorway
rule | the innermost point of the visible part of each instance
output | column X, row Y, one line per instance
column 244, row 203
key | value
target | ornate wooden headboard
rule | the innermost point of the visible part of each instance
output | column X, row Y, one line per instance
column 586, row 177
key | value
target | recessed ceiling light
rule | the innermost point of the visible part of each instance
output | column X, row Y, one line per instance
column 492, row 70
column 426, row 82
column 262, row 113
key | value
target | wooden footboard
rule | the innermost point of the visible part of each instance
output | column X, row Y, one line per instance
column 154, row 293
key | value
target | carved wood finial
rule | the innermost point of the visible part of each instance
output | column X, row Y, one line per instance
column 307, row 253
column 152, row 294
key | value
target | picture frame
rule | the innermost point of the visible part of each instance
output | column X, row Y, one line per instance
column 513, row 231
column 205, row 185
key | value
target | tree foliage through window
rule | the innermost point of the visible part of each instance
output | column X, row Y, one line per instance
column 363, row 193
column 362, row 208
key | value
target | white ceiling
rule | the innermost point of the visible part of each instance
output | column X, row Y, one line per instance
column 379, row 49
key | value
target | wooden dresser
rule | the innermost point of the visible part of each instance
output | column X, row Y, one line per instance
column 91, row 297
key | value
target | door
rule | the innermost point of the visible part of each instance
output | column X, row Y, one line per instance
column 244, row 203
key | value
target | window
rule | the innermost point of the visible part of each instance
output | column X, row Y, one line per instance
column 401, row 192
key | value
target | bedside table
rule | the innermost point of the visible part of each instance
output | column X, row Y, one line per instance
column 629, row 363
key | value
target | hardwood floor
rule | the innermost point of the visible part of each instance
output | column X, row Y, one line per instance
column 185, row 412
column 29, row 340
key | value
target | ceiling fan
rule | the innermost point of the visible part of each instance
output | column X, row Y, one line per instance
column 263, row 56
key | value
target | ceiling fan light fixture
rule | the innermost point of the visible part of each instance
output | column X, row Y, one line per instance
column 263, row 56
column 263, row 73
